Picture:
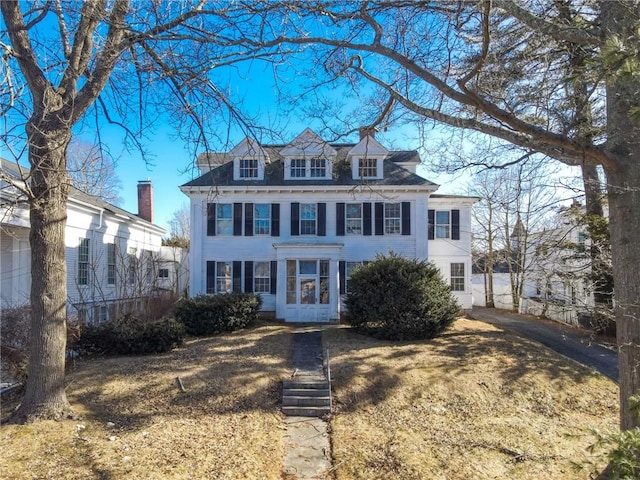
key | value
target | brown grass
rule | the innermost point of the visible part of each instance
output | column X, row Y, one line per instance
column 474, row 404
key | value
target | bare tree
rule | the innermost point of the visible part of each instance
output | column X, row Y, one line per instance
column 493, row 67
column 65, row 63
column 93, row 171
column 179, row 228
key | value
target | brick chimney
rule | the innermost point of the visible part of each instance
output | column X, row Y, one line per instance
column 145, row 200
column 364, row 131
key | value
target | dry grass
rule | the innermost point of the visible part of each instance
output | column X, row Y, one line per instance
column 473, row 404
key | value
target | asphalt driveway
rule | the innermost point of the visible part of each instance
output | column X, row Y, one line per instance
column 574, row 343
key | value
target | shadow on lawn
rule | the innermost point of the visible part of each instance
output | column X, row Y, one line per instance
column 233, row 373
column 454, row 353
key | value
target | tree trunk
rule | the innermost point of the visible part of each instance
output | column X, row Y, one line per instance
column 45, row 395
column 623, row 180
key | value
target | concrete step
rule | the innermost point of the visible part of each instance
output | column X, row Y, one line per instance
column 306, row 401
column 294, row 411
column 305, row 384
column 310, row 392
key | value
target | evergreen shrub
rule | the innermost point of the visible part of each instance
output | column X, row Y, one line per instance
column 396, row 298
column 213, row 314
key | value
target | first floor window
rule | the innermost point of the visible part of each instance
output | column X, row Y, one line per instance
column 248, row 168
column 163, row 273
column 131, row 266
column 261, row 277
column 443, row 224
column 353, row 224
column 350, row 267
column 262, row 219
column 392, row 218
column 224, row 280
column 224, row 219
column 111, row 263
column 457, row 277
column 83, row 262
column 308, row 216
column 291, row 281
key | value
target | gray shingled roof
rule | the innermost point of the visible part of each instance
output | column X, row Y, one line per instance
column 394, row 174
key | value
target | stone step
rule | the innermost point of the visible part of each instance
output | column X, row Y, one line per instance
column 309, row 392
column 294, row 411
column 306, row 401
column 305, row 384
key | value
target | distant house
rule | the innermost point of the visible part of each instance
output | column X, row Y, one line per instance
column 291, row 222
column 111, row 254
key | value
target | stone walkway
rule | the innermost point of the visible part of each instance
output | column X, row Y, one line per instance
column 306, row 440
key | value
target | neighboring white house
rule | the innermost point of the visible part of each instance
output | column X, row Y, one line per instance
column 110, row 252
column 173, row 270
column 292, row 221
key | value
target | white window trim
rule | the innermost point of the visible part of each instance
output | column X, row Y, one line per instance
column 355, row 168
column 328, row 173
column 457, row 277
column 236, row 168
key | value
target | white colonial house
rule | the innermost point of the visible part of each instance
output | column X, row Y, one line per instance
column 291, row 222
column 111, row 254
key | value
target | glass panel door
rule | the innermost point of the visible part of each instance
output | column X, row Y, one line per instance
column 308, row 291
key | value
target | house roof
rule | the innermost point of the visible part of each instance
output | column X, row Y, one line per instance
column 20, row 173
column 394, row 174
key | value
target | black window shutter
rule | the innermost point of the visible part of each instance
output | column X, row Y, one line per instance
column 237, row 219
column 237, row 276
column 342, row 273
column 455, row 224
column 275, row 219
column 366, row 218
column 248, row 276
column 322, row 219
column 211, row 219
column 295, row 218
column 431, row 227
column 274, row 277
column 340, row 219
column 406, row 218
column 379, row 218
column 248, row 219
column 211, row 277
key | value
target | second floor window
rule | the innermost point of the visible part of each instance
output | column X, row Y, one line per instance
column 308, row 217
column 443, row 224
column 298, row 168
column 248, row 168
column 224, row 219
column 392, row 218
column 353, row 224
column 262, row 219
column 368, row 168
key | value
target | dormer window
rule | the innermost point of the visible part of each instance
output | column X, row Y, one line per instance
column 248, row 168
column 368, row 168
column 307, row 168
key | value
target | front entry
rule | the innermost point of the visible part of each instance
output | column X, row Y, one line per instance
column 308, row 290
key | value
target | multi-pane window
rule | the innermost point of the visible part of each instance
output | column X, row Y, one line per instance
column 443, row 224
column 163, row 273
column 298, row 168
column 224, row 219
column 291, row 281
column 457, row 277
column 111, row 263
column 368, row 168
column 318, row 168
column 262, row 219
column 83, row 262
column 261, row 277
column 224, row 280
column 392, row 218
column 308, row 217
column 353, row 223
column 248, row 168
column 131, row 266
column 324, row 281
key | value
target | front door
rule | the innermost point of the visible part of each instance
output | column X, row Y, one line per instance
column 308, row 289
